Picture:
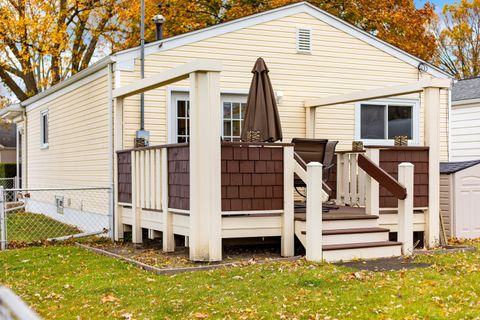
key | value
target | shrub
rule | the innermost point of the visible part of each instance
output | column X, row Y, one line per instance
column 8, row 170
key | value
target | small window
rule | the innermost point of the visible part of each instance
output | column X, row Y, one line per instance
column 380, row 123
column 44, row 129
column 304, row 40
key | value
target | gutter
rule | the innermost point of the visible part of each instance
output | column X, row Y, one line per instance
column 100, row 64
column 111, row 149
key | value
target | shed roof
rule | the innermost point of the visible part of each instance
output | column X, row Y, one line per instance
column 452, row 167
column 466, row 89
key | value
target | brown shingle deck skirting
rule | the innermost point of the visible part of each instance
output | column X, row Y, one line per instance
column 252, row 176
column 179, row 177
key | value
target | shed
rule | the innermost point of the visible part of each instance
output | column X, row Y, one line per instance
column 460, row 198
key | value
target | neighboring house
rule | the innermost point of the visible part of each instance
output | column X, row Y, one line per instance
column 465, row 120
column 332, row 81
column 8, row 143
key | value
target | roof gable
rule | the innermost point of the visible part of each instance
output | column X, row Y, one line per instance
column 126, row 57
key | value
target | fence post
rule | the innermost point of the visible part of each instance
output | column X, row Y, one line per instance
column 372, row 190
column 314, row 214
column 405, row 208
column 111, row 218
column 3, row 222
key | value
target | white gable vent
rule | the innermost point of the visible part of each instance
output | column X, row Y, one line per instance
column 304, row 40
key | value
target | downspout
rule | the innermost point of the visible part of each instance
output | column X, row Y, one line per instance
column 449, row 115
column 111, row 160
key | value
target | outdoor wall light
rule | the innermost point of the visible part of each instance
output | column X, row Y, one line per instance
column 279, row 96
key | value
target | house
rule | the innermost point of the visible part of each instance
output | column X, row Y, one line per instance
column 8, row 143
column 332, row 81
column 465, row 120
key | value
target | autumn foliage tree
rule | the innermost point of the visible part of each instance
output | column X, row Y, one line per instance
column 459, row 39
column 42, row 42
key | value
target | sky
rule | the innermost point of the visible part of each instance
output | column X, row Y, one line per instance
column 438, row 3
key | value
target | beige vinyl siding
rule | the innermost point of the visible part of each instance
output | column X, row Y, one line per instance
column 446, row 202
column 77, row 154
column 466, row 132
column 339, row 63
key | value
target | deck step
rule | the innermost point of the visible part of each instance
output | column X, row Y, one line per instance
column 352, row 231
column 350, row 235
column 369, row 250
column 349, row 246
column 333, row 217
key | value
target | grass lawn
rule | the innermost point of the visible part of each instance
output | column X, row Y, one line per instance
column 29, row 227
column 66, row 282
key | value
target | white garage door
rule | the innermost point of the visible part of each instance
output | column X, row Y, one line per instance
column 467, row 203
column 465, row 133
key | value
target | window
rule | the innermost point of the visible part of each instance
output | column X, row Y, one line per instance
column 44, row 129
column 233, row 107
column 380, row 122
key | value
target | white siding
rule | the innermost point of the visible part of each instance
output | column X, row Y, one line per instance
column 465, row 132
column 77, row 154
column 446, row 198
column 339, row 63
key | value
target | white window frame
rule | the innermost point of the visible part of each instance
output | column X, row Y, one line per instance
column 414, row 103
column 174, row 93
column 44, row 140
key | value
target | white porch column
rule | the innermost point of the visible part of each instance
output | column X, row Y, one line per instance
column 314, row 215
column 137, row 189
column 372, row 190
column 432, row 140
column 118, row 145
column 288, row 223
column 205, row 164
column 405, row 208
column 310, row 122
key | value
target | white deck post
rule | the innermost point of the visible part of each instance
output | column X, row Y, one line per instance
column 405, row 208
column 314, row 212
column 288, row 223
column 168, row 241
column 372, row 190
column 205, row 164
column 136, row 198
column 118, row 143
column 432, row 140
column 310, row 122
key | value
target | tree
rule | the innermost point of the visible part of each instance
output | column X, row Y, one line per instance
column 42, row 42
column 459, row 39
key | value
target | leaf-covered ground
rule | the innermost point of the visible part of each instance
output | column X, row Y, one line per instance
column 67, row 282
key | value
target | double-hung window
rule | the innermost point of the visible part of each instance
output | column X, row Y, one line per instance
column 379, row 122
column 44, row 129
column 233, row 112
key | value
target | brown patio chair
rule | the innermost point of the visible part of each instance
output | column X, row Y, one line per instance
column 319, row 150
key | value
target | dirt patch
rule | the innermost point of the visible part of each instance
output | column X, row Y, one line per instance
column 386, row 264
column 150, row 253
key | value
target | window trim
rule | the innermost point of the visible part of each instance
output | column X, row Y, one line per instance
column 172, row 113
column 43, row 144
column 415, row 103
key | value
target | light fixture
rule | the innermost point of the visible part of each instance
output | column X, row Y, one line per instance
column 279, row 96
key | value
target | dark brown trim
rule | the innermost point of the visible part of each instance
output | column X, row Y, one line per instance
column 418, row 148
column 263, row 144
column 382, row 177
column 160, row 146
column 350, row 151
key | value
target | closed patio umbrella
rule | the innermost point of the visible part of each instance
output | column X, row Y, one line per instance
column 261, row 112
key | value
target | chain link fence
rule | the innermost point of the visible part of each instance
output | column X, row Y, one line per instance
column 29, row 216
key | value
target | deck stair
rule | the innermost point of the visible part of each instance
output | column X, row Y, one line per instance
column 349, row 233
